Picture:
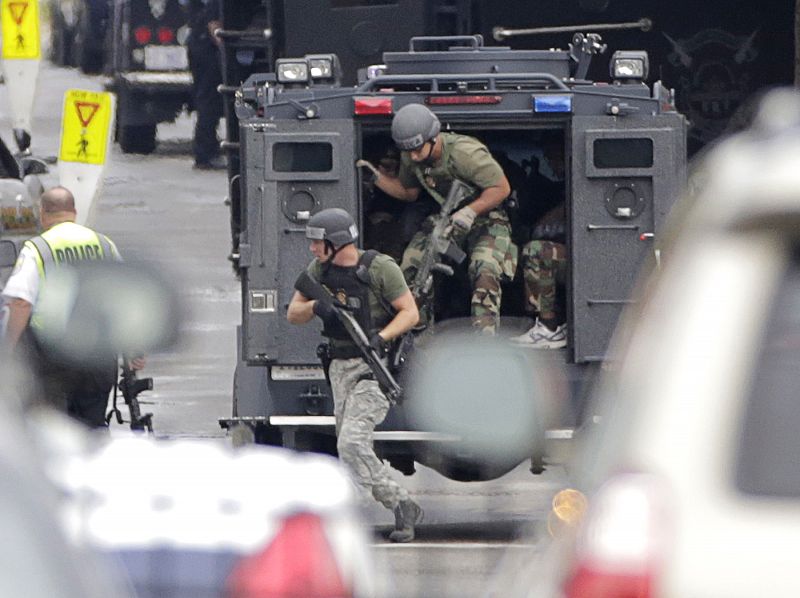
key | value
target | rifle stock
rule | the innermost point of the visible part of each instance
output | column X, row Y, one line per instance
column 130, row 386
column 314, row 290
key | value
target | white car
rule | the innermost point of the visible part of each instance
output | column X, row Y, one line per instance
column 692, row 467
column 199, row 519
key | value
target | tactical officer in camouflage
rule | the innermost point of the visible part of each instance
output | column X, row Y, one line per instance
column 544, row 266
column 431, row 160
column 372, row 286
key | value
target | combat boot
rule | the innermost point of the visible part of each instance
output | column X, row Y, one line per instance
column 406, row 515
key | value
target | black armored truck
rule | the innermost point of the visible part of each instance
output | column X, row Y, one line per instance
column 621, row 143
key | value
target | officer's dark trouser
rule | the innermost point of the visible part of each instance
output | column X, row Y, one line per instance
column 81, row 393
column 204, row 62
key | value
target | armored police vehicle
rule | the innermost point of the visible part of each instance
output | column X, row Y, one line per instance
column 621, row 142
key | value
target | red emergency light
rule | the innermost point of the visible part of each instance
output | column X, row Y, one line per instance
column 461, row 99
column 368, row 106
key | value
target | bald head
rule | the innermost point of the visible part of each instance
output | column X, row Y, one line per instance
column 57, row 199
column 57, row 205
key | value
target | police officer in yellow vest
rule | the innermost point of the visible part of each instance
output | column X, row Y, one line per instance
column 81, row 393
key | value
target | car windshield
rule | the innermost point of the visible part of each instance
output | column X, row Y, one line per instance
column 768, row 461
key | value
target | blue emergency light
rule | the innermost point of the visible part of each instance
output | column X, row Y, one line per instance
column 552, row 103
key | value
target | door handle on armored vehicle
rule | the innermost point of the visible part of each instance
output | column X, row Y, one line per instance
column 612, row 227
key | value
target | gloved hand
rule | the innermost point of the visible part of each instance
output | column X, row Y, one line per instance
column 380, row 345
column 366, row 164
column 464, row 218
column 325, row 311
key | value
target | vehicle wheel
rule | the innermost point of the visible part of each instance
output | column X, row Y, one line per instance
column 86, row 56
column 137, row 139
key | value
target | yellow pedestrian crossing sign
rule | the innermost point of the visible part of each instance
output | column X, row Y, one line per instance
column 85, row 126
column 20, row 24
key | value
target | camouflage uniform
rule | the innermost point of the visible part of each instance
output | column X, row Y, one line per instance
column 492, row 254
column 358, row 403
column 544, row 264
column 359, row 406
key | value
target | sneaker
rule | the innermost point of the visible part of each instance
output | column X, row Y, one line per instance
column 541, row 337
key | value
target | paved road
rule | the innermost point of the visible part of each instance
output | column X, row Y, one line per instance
column 158, row 207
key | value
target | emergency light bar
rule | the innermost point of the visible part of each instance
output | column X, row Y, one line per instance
column 366, row 106
column 552, row 103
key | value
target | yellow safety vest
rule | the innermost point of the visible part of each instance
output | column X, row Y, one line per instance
column 68, row 243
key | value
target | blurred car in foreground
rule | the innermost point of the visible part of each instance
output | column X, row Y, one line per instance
column 37, row 559
column 190, row 518
column 691, row 469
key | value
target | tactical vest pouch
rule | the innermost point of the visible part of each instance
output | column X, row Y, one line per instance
column 344, row 352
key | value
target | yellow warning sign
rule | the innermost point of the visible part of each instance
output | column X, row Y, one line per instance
column 85, row 126
column 20, row 21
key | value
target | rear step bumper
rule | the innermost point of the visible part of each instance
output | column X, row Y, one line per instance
column 328, row 421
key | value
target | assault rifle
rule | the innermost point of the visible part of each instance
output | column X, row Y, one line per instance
column 314, row 290
column 131, row 387
column 440, row 244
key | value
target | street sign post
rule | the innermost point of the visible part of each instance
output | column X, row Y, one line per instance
column 21, row 57
column 86, row 126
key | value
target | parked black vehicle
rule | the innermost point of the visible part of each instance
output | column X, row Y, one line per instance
column 148, row 69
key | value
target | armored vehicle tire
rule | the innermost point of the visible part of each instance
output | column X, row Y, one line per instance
column 464, row 470
column 137, row 139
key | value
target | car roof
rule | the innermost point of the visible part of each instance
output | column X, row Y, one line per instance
column 750, row 180
column 197, row 493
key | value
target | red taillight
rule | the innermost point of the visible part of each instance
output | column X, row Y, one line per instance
column 166, row 35
column 587, row 583
column 620, row 546
column 142, row 35
column 298, row 563
column 364, row 106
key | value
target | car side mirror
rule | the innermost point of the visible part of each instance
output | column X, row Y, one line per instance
column 99, row 308
column 8, row 253
column 32, row 165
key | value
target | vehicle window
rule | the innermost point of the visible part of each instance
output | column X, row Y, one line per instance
column 623, row 153
column 302, row 157
column 769, row 448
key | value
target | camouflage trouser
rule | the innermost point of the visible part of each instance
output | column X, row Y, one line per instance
column 492, row 258
column 544, row 264
column 359, row 406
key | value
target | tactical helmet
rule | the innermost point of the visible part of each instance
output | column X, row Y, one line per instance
column 413, row 125
column 334, row 225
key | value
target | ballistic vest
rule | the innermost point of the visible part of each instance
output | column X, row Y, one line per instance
column 351, row 286
column 68, row 243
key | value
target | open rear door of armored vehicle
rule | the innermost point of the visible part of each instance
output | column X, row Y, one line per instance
column 626, row 173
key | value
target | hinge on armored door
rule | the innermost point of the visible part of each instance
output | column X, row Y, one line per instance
column 245, row 255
